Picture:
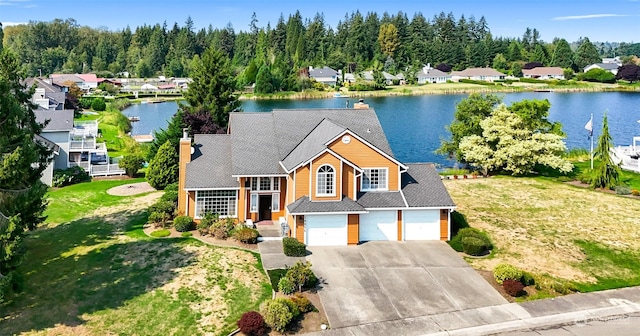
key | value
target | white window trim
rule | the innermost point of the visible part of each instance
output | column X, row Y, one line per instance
column 386, row 186
column 199, row 216
column 274, row 184
column 275, row 202
column 335, row 173
column 253, row 205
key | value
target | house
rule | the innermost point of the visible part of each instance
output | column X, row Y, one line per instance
column 55, row 135
column 611, row 67
column 544, row 73
column 74, row 144
column 479, row 74
column 48, row 95
column 85, row 82
column 431, row 75
column 349, row 78
column 327, row 175
column 324, row 75
column 614, row 60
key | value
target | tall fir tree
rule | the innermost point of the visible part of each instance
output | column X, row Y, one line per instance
column 23, row 158
column 607, row 174
column 562, row 54
column 586, row 54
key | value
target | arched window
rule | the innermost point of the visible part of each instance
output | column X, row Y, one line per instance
column 325, row 181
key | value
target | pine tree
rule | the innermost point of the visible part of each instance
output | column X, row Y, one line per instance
column 607, row 174
column 586, row 54
column 163, row 168
column 22, row 161
column 562, row 54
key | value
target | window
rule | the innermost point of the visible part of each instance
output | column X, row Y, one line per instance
column 325, row 181
column 254, row 183
column 265, row 183
column 275, row 202
column 276, row 184
column 374, row 179
column 221, row 202
column 254, row 203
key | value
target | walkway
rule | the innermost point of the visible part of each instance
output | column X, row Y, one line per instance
column 571, row 309
column 273, row 255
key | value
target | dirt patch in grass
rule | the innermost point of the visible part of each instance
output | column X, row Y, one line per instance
column 534, row 223
column 131, row 189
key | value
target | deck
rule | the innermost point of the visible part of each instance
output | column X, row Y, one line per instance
column 627, row 157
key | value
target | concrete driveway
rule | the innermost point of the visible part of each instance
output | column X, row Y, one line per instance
column 386, row 281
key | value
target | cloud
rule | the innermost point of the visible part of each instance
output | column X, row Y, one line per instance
column 582, row 17
column 7, row 23
column 12, row 2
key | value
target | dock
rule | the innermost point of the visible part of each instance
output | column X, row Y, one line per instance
column 134, row 118
column 143, row 138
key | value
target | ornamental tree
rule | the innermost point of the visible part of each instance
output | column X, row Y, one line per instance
column 607, row 174
column 163, row 168
column 629, row 72
column 22, row 161
column 508, row 144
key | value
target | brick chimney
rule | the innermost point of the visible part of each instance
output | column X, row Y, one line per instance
column 184, row 158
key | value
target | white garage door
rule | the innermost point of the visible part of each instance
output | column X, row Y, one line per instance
column 421, row 224
column 379, row 225
column 325, row 230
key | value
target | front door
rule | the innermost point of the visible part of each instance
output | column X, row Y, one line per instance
column 264, row 208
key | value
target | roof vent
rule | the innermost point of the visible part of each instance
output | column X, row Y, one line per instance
column 368, row 130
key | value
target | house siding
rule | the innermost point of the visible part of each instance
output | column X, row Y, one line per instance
column 302, row 182
column 300, row 228
column 62, row 140
column 185, row 157
column 353, row 229
column 444, row 224
column 348, row 183
column 329, row 159
column 400, row 230
column 242, row 200
column 364, row 156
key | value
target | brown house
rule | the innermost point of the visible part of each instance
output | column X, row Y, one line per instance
column 329, row 174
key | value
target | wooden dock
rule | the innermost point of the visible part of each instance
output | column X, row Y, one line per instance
column 143, row 138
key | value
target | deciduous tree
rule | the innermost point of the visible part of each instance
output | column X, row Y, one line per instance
column 629, row 72
column 388, row 39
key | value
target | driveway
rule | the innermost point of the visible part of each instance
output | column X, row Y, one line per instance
column 385, row 281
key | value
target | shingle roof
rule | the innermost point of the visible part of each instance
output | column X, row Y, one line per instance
column 605, row 66
column 430, row 73
column 472, row 72
column 304, row 205
column 322, row 72
column 50, row 144
column 543, row 71
column 422, row 187
column 313, row 143
column 210, row 166
column 40, row 83
column 254, row 150
column 59, row 120
column 377, row 199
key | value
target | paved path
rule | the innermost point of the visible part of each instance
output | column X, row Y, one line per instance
column 273, row 256
column 575, row 314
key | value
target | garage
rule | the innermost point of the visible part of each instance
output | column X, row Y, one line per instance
column 325, row 230
column 378, row 225
column 421, row 224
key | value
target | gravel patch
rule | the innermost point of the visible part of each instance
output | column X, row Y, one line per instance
column 131, row 189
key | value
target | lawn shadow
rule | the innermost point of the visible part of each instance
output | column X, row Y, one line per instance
column 87, row 266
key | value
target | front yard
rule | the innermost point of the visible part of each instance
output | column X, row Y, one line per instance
column 553, row 229
column 92, row 271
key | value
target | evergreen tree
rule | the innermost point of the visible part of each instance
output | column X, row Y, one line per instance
column 22, row 161
column 1, row 37
column 163, row 168
column 586, row 54
column 562, row 54
column 607, row 174
column 212, row 88
column 264, row 80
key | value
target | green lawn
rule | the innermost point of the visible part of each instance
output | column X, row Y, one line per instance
column 627, row 178
column 564, row 234
column 96, row 273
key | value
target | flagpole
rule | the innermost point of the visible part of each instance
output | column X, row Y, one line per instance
column 591, row 152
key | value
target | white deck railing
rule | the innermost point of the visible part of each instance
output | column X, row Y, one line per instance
column 100, row 169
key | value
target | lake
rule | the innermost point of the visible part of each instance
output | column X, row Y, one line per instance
column 414, row 125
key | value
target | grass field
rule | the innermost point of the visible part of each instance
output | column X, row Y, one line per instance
column 554, row 229
column 92, row 271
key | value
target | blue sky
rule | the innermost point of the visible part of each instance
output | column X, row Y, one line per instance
column 614, row 20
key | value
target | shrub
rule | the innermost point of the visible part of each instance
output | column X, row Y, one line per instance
column 252, row 324
column 622, row 190
column 183, row 224
column 303, row 304
column 586, row 176
column 293, row 248
column 527, row 279
column 170, row 193
column 513, row 287
column 473, row 246
column 301, row 275
column 160, row 233
column 456, row 241
column 286, row 286
column 222, row 228
column 161, row 212
column 160, row 219
column 503, row 272
column 98, row 104
column 293, row 308
column 276, row 313
column 131, row 164
column 186, row 234
column 206, row 222
column 69, row 176
column 247, row 235
column 163, row 168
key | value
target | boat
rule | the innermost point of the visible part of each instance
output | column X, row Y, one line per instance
column 340, row 95
column 134, row 118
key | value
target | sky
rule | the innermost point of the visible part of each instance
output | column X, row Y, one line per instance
column 602, row 21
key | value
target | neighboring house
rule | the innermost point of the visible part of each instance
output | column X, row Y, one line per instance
column 47, row 95
column 431, row 75
column 56, row 136
column 479, row 74
column 389, row 78
column 615, row 60
column 85, row 82
column 544, row 73
column 349, row 78
column 327, row 175
column 611, row 67
column 324, row 75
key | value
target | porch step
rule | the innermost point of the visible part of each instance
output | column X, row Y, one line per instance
column 261, row 239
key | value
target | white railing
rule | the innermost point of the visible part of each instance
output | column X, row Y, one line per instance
column 84, row 144
column 108, row 169
column 84, row 165
column 85, row 128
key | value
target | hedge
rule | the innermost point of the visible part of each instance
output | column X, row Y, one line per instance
column 293, row 248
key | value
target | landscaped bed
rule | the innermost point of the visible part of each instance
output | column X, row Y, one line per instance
column 92, row 271
column 565, row 235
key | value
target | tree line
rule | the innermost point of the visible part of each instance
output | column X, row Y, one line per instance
column 394, row 43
